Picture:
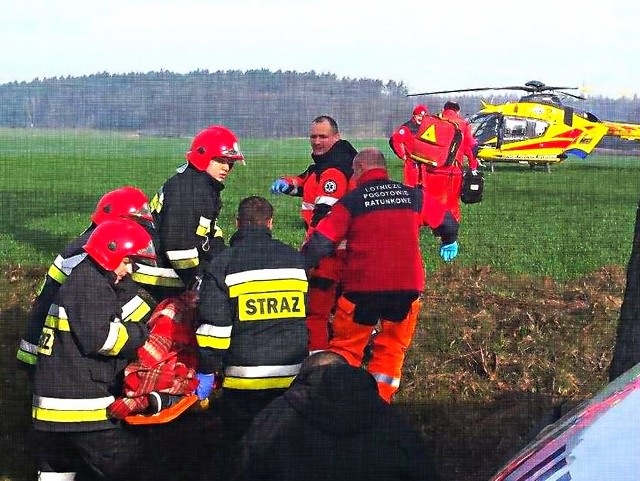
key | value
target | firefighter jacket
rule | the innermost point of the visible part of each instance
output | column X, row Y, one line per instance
column 468, row 142
column 252, row 312
column 331, row 424
column 56, row 275
column 89, row 334
column 324, row 182
column 185, row 212
column 380, row 219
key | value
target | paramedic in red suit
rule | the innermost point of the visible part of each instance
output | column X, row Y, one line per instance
column 443, row 184
column 401, row 142
column 320, row 186
column 384, row 277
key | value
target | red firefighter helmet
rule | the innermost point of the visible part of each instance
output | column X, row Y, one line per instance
column 420, row 110
column 128, row 202
column 113, row 240
column 214, row 142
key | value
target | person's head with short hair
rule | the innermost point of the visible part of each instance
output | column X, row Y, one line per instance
column 254, row 211
column 321, row 358
column 367, row 159
column 451, row 105
column 323, row 134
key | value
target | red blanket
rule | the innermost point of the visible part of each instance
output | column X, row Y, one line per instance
column 167, row 362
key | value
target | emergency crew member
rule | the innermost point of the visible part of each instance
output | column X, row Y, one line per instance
column 378, row 283
column 451, row 111
column 401, row 142
column 186, row 208
column 84, row 346
column 443, row 185
column 124, row 202
column 252, row 307
column 320, row 186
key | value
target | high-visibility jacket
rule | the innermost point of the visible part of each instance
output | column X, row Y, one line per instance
column 252, row 310
column 324, row 182
column 91, row 331
column 185, row 211
column 56, row 275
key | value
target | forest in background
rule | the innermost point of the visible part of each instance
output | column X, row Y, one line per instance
column 255, row 103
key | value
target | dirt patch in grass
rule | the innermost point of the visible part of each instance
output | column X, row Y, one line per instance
column 494, row 358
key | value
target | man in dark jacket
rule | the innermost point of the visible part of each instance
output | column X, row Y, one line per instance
column 186, row 208
column 332, row 425
column 86, row 342
column 252, row 333
column 124, row 202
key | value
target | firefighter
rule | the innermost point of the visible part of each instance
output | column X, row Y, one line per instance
column 401, row 142
column 380, row 219
column 252, row 333
column 85, row 344
column 187, row 206
column 320, row 186
column 124, row 202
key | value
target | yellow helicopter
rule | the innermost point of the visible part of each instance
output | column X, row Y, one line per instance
column 538, row 129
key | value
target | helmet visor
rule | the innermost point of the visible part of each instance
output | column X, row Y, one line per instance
column 234, row 154
column 146, row 256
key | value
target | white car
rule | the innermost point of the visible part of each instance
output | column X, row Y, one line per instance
column 599, row 440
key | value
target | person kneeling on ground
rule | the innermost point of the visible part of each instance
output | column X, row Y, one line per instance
column 331, row 424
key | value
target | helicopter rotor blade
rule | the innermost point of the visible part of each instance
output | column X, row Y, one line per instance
column 575, row 96
column 559, row 88
column 478, row 89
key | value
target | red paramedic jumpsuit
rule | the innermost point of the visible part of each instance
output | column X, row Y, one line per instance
column 320, row 186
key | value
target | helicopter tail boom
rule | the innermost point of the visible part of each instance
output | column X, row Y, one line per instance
column 623, row 131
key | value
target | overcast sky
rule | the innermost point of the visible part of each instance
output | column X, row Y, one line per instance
column 428, row 45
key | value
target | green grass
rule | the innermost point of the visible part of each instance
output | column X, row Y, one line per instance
column 524, row 316
column 563, row 225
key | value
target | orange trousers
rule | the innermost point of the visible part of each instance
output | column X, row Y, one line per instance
column 321, row 300
column 388, row 346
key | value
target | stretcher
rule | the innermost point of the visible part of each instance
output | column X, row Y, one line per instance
column 170, row 413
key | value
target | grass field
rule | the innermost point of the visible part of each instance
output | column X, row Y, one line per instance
column 562, row 225
column 522, row 320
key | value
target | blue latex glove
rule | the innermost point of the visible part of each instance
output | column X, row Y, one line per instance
column 448, row 252
column 280, row 186
column 205, row 385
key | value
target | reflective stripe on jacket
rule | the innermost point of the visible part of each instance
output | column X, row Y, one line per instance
column 252, row 309
column 90, row 332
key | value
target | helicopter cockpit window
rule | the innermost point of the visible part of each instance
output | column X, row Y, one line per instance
column 484, row 127
column 517, row 129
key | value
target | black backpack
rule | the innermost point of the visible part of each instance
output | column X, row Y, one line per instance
column 472, row 187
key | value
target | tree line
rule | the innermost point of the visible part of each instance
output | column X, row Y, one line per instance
column 256, row 103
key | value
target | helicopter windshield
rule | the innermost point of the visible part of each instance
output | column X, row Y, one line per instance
column 484, row 127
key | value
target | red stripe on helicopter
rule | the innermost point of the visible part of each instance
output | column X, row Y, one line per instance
column 552, row 144
column 569, row 134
